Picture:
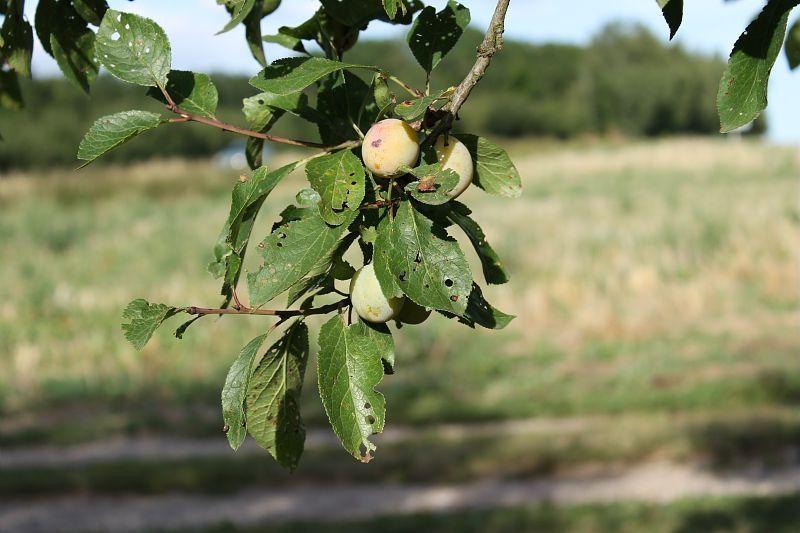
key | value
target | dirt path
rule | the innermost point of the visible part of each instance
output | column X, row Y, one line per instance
column 655, row 482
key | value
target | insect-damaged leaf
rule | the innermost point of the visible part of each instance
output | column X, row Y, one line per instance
column 434, row 34
column 349, row 370
column 246, row 200
column 339, row 180
column 290, row 252
column 134, row 49
column 427, row 264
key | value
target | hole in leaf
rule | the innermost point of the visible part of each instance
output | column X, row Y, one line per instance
column 280, row 244
column 367, row 405
column 115, row 36
column 402, row 276
column 370, row 419
column 448, row 282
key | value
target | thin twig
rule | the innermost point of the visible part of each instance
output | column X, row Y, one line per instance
column 185, row 116
column 282, row 313
column 411, row 90
column 492, row 43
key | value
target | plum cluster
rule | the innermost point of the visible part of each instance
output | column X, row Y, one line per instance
column 390, row 147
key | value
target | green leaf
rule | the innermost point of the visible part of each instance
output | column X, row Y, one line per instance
column 235, row 391
column 427, row 264
column 273, row 397
column 246, row 201
column 241, row 8
column 793, row 45
column 143, row 320
column 290, row 252
column 358, row 13
column 339, row 180
column 112, row 131
column 381, row 257
column 58, row 17
column 381, row 337
column 493, row 269
column 16, row 36
column 433, row 184
column 134, row 49
column 390, row 6
column 434, row 34
column 252, row 33
column 495, row 173
column 673, row 14
column 349, row 369
column 264, row 109
column 193, row 92
column 75, row 58
column 292, row 74
column 92, row 11
column 742, row 92
column 482, row 313
column 340, row 98
column 411, row 110
column 10, row 94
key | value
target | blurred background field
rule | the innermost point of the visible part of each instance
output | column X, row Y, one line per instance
column 656, row 289
column 651, row 380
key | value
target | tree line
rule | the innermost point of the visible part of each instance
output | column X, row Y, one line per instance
column 625, row 81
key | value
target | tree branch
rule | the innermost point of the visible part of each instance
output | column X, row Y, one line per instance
column 282, row 313
column 185, row 116
column 492, row 43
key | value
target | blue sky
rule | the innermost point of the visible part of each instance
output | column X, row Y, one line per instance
column 710, row 26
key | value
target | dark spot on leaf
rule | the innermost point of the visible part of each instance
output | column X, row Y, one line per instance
column 402, row 276
column 454, row 298
column 367, row 405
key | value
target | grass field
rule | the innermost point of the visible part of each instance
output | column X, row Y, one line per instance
column 656, row 287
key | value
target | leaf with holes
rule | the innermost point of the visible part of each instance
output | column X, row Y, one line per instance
column 273, row 397
column 479, row 312
column 112, row 131
column 134, row 49
column 742, row 92
column 349, row 369
column 290, row 252
column 434, row 34
column 144, row 319
column 339, row 180
column 493, row 270
column 235, row 391
column 793, row 45
column 246, row 201
column 433, row 184
column 427, row 264
column 495, row 173
column 673, row 14
column 292, row 74
column 191, row 91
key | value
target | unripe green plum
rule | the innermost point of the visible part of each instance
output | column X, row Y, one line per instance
column 413, row 313
column 454, row 156
column 368, row 299
column 388, row 146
